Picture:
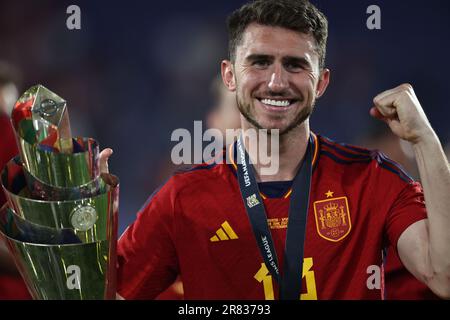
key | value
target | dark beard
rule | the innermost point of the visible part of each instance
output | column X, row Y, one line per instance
column 304, row 114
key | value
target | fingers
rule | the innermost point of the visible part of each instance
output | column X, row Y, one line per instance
column 374, row 112
column 385, row 105
column 386, row 102
column 103, row 158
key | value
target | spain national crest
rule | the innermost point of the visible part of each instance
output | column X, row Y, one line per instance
column 333, row 220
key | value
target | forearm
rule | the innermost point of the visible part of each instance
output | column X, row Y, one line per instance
column 435, row 178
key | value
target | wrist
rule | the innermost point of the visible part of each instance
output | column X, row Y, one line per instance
column 428, row 141
column 426, row 137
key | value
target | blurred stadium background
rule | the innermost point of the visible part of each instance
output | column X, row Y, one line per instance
column 137, row 70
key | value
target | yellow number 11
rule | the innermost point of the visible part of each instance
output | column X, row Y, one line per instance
column 264, row 276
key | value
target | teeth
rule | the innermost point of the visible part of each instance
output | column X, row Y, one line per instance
column 276, row 103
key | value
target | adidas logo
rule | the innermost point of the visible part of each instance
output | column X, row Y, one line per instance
column 224, row 233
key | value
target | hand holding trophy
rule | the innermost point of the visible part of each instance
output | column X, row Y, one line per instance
column 60, row 222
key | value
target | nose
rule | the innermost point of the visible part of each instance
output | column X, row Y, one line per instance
column 278, row 79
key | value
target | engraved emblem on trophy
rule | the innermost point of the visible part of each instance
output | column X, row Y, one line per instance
column 60, row 220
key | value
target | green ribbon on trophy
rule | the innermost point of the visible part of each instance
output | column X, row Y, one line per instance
column 60, row 222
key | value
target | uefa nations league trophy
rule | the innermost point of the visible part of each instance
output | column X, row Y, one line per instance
column 60, row 221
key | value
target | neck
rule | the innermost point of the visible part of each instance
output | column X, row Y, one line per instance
column 292, row 149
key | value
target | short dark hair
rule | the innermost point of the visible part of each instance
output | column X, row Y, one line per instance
column 298, row 15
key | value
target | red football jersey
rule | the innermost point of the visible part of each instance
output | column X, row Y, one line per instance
column 196, row 226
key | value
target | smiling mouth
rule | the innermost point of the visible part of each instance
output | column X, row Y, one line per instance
column 277, row 103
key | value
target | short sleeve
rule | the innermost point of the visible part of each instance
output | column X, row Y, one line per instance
column 147, row 262
column 408, row 208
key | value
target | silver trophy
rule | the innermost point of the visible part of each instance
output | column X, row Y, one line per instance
column 60, row 221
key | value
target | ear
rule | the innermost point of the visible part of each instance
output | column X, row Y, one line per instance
column 324, row 80
column 228, row 78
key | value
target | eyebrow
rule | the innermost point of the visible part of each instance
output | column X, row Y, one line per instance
column 255, row 57
column 288, row 59
column 297, row 60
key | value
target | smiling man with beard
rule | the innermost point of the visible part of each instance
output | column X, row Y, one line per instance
column 267, row 97
column 313, row 229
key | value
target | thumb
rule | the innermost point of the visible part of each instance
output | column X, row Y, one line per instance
column 374, row 112
column 103, row 158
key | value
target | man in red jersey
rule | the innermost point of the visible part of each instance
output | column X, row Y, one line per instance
column 317, row 227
